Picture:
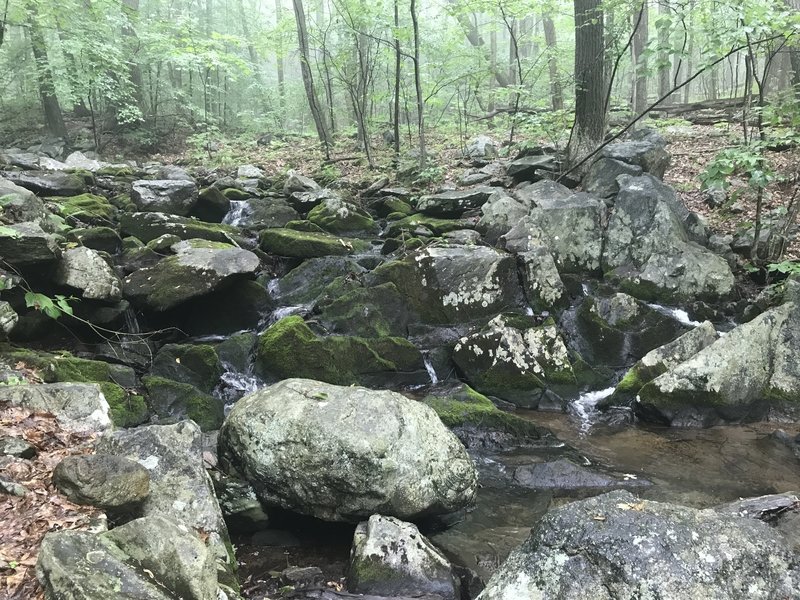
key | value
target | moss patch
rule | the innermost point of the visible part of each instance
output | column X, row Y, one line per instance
column 86, row 207
column 304, row 244
column 170, row 399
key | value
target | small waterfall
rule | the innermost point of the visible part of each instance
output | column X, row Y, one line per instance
column 131, row 322
column 239, row 210
column 284, row 311
column 678, row 314
column 235, row 385
column 429, row 368
column 585, row 407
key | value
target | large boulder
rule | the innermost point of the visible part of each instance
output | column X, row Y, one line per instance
column 516, row 359
column 147, row 226
column 263, row 213
column 454, row 203
column 740, row 377
column 649, row 155
column 392, row 558
column 180, row 488
column 360, row 452
column 648, row 251
column 455, row 284
column 337, row 216
column 154, row 558
column 18, row 205
column 601, row 179
column 193, row 272
column 617, row 546
column 307, row 244
column 108, row 482
column 79, row 406
column 500, row 213
column 85, row 270
column 27, row 244
column 49, row 184
column 171, row 196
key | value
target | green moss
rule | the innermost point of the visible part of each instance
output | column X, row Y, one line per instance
column 86, row 207
column 653, row 396
column 340, row 217
column 235, row 194
column 170, row 399
column 79, row 369
column 302, row 225
column 121, row 171
column 437, row 226
column 127, row 410
column 144, row 227
column 371, row 570
column 304, row 244
column 195, row 364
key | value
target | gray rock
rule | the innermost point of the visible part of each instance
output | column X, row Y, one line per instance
column 739, row 377
column 362, row 452
column 305, row 201
column 764, row 508
column 180, row 488
column 174, row 172
column 19, row 205
column 249, row 172
column 652, row 158
column 12, row 488
column 454, row 203
column 545, row 191
column 14, row 157
column 148, row 226
column 79, row 406
column 108, row 482
column 153, row 558
column 171, row 196
column 601, row 179
column 392, row 558
column 298, row 183
column 49, row 183
column 482, row 147
column 500, row 213
column 616, row 546
column 50, row 164
column 563, row 474
column 648, row 249
column 525, row 168
column 543, row 287
column 463, row 237
column 78, row 160
column 16, row 446
column 193, row 272
column 455, row 284
column 85, row 270
column 305, row 283
column 28, row 245
column 337, row 216
column 8, row 319
column 267, row 212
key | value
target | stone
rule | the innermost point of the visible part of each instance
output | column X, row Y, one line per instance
column 85, row 270
column 79, row 406
column 306, row 282
column 601, row 179
column 541, row 282
column 180, row 488
column 392, row 558
column 107, row 482
column 16, row 447
column 563, row 474
column 87, row 208
column 618, row 546
column 413, row 223
column 193, row 272
column 249, row 172
column 8, row 319
column 659, row 361
column 454, row 203
column 171, row 196
column 171, row 400
column 500, row 213
column 647, row 248
column 370, row 312
column 337, row 216
column 482, row 147
column 195, row 364
column 19, row 205
column 148, row 226
column 454, row 284
column 211, row 205
column 525, row 168
column 515, row 359
column 263, row 213
column 304, row 244
column 49, row 183
column 298, row 183
column 651, row 157
column 103, row 239
column 78, row 160
column 363, row 452
column 27, row 244
column 173, row 172
column 154, row 558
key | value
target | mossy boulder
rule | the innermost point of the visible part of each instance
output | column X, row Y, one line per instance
column 235, row 194
column 149, row 225
column 104, row 239
column 195, row 364
column 212, row 205
column 338, row 216
column 126, row 409
column 408, row 225
column 289, row 348
column 517, row 360
column 350, row 308
column 478, row 422
column 306, row 282
column 174, row 401
column 390, row 205
column 86, row 207
column 304, row 244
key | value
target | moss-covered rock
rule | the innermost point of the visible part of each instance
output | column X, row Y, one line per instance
column 338, row 216
column 289, row 348
column 235, row 194
column 127, row 410
column 195, row 364
column 86, row 207
column 212, row 205
column 104, row 239
column 172, row 400
column 303, row 244
column 410, row 224
column 149, row 225
column 347, row 307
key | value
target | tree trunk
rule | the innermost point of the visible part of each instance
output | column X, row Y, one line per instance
column 556, row 92
column 397, row 75
column 135, row 70
column 418, row 86
column 513, row 50
column 279, row 61
column 493, row 68
column 590, row 115
column 44, row 75
column 474, row 38
column 664, row 84
column 308, row 77
column 639, row 74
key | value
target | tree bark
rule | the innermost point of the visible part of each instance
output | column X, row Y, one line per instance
column 397, row 75
column 418, row 86
column 279, row 61
column 556, row 92
column 638, row 45
column 590, row 114
column 308, row 76
column 474, row 38
column 664, row 83
column 54, row 119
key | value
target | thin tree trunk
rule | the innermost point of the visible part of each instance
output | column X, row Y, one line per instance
column 663, row 52
column 513, row 50
column 556, row 92
column 418, row 86
column 397, row 74
column 308, row 77
column 44, row 74
column 493, row 68
column 279, row 61
column 639, row 74
column 474, row 38
column 134, row 69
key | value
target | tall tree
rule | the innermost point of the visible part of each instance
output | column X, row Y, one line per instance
column 590, row 87
column 556, row 92
column 639, row 59
column 308, row 77
column 418, row 87
column 54, row 119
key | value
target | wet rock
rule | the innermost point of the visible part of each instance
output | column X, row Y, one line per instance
column 363, row 452
column 563, row 474
column 515, row 359
column 305, row 283
column 454, row 284
column 172, row 400
column 454, row 203
column 648, row 251
column 302, row 578
column 80, row 406
column 737, row 378
column 19, row 205
column 27, row 244
column 148, row 226
column 85, row 270
column 651, row 157
column 594, row 549
column 659, row 361
column 172, row 196
column 298, row 183
column 601, row 179
column 337, row 216
column 500, row 213
column 108, row 482
column 193, row 272
column 289, row 348
column 180, row 488
column 49, row 184
column 392, row 558
column 16, row 447
column 370, row 312
column 195, row 364
column 211, row 205
column 767, row 508
column 305, row 244
column 159, row 558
